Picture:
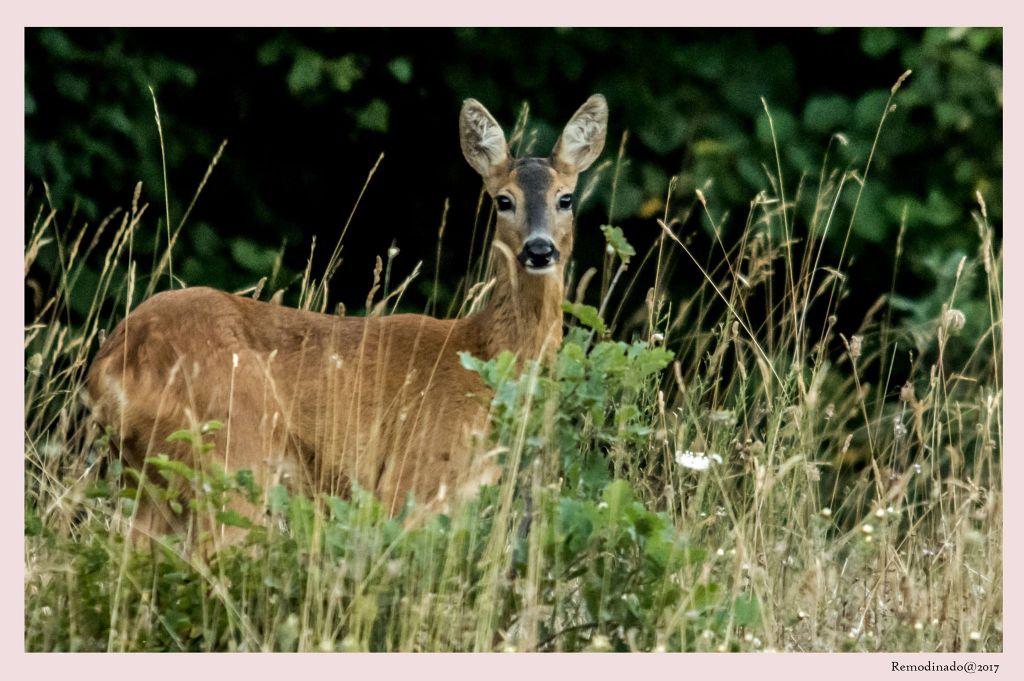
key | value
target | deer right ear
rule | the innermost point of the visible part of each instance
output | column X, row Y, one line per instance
column 483, row 142
column 583, row 138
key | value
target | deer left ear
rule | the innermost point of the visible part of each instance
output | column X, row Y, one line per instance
column 583, row 138
column 483, row 142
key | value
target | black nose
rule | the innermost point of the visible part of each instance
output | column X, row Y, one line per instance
column 538, row 253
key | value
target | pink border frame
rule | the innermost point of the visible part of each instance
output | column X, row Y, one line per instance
column 448, row 13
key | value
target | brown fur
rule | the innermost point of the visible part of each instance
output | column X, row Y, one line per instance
column 318, row 401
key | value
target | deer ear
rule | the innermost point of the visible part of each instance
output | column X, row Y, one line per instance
column 583, row 138
column 483, row 142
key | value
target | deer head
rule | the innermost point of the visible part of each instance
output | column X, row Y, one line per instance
column 534, row 196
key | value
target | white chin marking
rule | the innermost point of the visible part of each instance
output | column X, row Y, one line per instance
column 541, row 271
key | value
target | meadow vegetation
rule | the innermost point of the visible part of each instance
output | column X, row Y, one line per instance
column 719, row 470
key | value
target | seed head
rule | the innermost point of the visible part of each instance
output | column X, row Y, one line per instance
column 907, row 392
column 953, row 320
column 856, row 343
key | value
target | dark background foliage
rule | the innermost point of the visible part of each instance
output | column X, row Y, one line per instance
column 308, row 112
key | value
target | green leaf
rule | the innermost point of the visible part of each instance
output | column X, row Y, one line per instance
column 470, row 362
column 617, row 240
column 169, row 467
column 574, row 523
column 571, row 363
column 643, row 363
column 374, row 116
column 306, row 72
column 33, row 525
column 608, row 357
column 868, row 110
column 705, row 596
column 182, row 436
column 344, row 72
column 254, row 258
column 98, row 489
column 617, row 494
column 278, row 499
column 876, row 42
column 247, row 483
column 270, row 52
column 827, row 114
column 233, row 518
column 784, row 124
column 587, row 314
column 746, row 610
column 594, row 474
column 300, row 519
column 401, row 69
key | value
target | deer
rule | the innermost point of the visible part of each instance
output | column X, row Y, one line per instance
column 322, row 402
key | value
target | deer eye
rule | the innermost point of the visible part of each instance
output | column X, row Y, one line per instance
column 565, row 201
column 504, row 203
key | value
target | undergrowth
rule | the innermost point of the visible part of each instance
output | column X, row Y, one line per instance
column 737, row 474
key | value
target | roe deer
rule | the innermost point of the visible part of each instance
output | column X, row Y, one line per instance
column 321, row 401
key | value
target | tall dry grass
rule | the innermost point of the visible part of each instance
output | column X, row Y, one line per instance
column 780, row 485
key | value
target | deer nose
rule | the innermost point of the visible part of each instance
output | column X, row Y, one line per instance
column 539, row 253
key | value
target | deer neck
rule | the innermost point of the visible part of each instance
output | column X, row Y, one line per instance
column 524, row 313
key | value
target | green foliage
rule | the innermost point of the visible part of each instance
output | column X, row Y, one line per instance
column 603, row 534
column 596, row 393
column 612, row 570
column 617, row 241
column 321, row 103
column 587, row 315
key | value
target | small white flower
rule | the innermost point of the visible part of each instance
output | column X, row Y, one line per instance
column 698, row 461
column 393, row 252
